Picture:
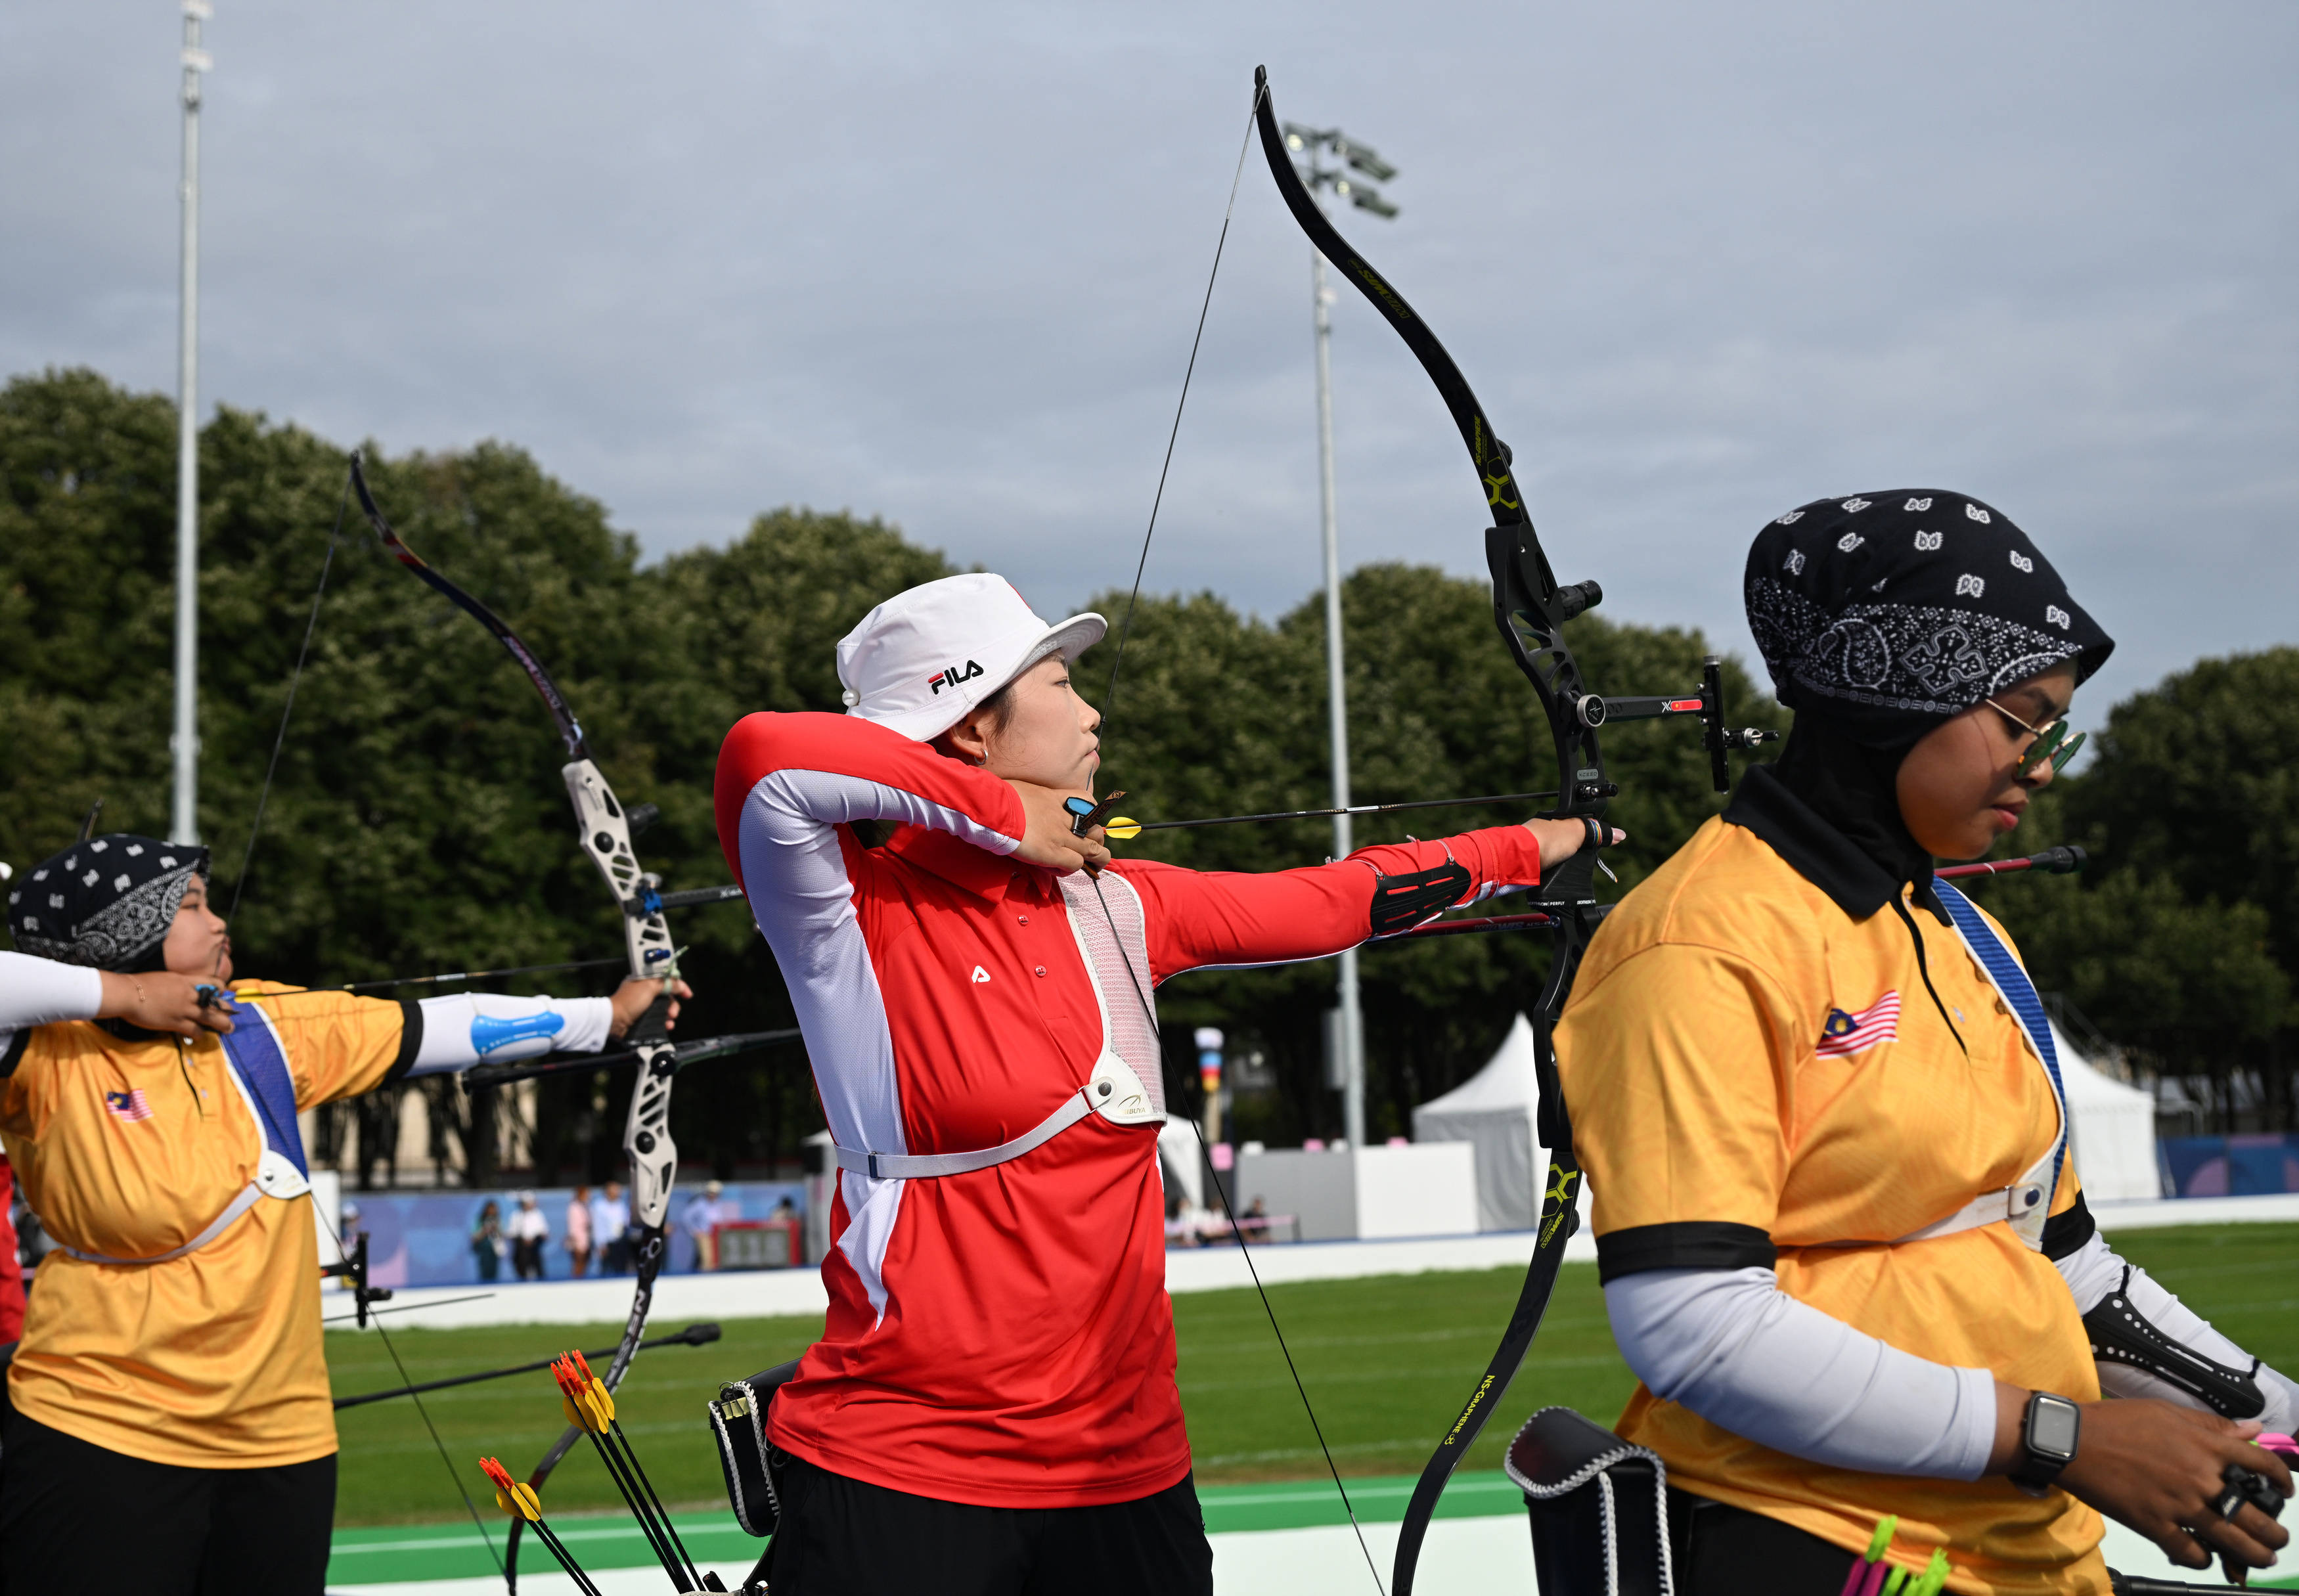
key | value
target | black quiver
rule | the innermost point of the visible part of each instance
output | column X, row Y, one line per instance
column 738, row 1425
column 1599, row 1505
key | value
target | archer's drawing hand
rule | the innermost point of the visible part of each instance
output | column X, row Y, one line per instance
column 1560, row 840
column 2157, row 1466
column 634, row 997
column 1047, row 842
column 161, row 1000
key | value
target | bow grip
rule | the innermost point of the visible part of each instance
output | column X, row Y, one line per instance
column 653, row 1024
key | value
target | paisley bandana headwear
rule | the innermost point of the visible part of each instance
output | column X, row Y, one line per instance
column 1888, row 612
column 107, row 902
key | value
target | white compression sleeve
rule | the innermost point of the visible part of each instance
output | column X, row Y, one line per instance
column 472, row 1026
column 39, row 992
column 1743, row 1354
column 2092, row 1270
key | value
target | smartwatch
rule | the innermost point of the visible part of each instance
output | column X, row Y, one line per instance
column 2048, row 1432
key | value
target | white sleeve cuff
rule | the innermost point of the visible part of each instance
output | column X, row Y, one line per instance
column 39, row 992
column 473, row 1027
column 1733, row 1347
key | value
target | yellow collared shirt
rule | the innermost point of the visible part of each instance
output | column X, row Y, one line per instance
column 131, row 1149
column 1713, row 1110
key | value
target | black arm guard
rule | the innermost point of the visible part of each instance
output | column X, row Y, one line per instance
column 1401, row 903
column 2119, row 1335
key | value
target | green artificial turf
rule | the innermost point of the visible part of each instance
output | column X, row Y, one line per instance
column 1388, row 1362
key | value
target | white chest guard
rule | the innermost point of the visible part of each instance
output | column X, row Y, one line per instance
column 1114, row 946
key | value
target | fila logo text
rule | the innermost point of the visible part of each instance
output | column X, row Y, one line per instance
column 951, row 675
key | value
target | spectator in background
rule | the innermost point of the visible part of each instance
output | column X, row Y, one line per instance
column 1253, row 1224
column 785, row 1209
column 1187, row 1226
column 610, row 1229
column 486, row 1240
column 578, row 1233
column 347, row 1234
column 529, row 1230
column 701, row 1219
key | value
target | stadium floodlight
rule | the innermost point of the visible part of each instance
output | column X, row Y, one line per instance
column 1311, row 148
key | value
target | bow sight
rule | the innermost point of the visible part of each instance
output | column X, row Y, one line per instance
column 1593, row 710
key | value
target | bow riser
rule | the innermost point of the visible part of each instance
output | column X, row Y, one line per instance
column 606, row 833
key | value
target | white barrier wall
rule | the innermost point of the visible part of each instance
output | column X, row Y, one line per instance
column 1429, row 1188
column 1367, row 1193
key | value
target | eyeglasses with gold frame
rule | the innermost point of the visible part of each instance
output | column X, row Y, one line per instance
column 2051, row 741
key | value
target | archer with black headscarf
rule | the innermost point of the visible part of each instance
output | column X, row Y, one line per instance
column 1842, row 1240
column 170, row 1374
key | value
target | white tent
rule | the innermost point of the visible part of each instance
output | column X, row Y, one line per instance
column 1493, row 1110
column 2113, row 1131
column 1177, row 1148
column 2112, row 1128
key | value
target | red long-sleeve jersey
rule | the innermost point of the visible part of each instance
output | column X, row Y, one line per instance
column 1001, row 1337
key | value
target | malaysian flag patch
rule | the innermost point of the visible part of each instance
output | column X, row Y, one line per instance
column 128, row 1105
column 1844, row 1034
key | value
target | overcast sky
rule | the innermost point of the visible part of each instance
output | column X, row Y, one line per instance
column 942, row 263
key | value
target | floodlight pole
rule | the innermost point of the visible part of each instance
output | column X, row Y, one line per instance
column 1349, row 1035
column 184, row 821
column 1352, row 1032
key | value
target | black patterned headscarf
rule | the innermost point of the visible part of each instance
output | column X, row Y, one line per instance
column 1889, row 612
column 107, row 902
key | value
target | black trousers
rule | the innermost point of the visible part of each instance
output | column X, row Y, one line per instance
column 842, row 1537
column 1722, row 1550
column 82, row 1519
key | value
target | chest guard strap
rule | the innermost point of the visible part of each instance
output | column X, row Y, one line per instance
column 259, row 1069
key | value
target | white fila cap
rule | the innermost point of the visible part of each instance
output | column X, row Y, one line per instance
column 919, row 662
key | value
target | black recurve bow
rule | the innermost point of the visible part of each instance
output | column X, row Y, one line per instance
column 1531, row 608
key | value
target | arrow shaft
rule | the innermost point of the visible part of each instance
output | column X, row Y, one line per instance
column 1355, row 809
column 686, row 1337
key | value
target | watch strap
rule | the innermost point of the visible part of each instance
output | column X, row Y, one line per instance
column 2037, row 1470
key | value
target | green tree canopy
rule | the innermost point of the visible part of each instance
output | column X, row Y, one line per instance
column 418, row 822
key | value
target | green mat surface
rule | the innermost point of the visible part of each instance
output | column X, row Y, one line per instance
column 1387, row 1361
column 449, row 1551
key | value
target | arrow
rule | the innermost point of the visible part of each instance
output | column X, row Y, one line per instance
column 2052, row 862
column 591, row 1407
column 520, row 1501
column 684, row 1053
column 1125, row 830
column 693, row 1335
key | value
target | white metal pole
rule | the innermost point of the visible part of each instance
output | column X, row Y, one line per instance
column 1336, row 708
column 183, row 823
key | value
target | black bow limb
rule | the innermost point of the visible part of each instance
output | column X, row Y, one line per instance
column 1530, row 609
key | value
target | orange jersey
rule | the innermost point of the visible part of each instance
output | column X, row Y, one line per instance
column 1740, row 1053
column 131, row 1149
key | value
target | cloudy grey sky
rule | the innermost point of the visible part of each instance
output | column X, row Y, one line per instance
column 942, row 263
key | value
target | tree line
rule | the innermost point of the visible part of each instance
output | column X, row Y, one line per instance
column 417, row 821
